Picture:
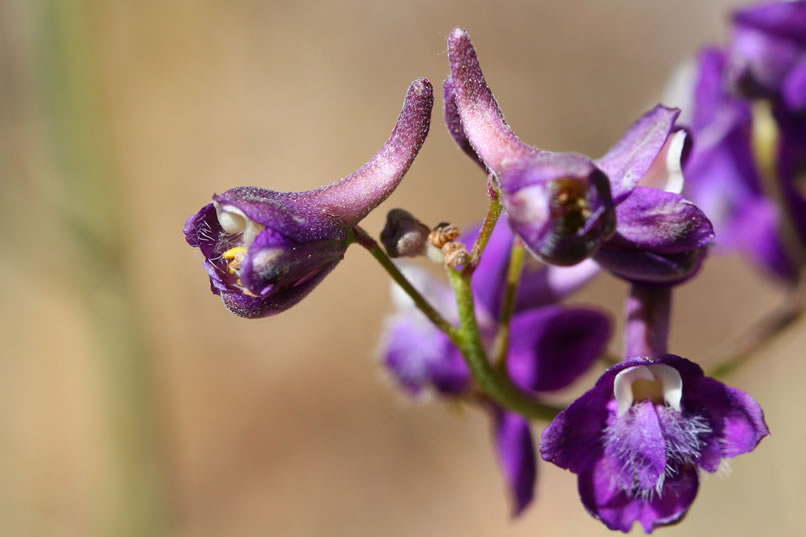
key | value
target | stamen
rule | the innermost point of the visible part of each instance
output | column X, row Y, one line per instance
column 236, row 257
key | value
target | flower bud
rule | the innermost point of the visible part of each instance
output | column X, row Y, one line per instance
column 404, row 235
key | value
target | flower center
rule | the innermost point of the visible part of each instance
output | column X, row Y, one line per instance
column 570, row 203
column 653, row 382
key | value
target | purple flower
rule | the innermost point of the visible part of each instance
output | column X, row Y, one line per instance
column 767, row 56
column 637, row 439
column 265, row 251
column 550, row 345
column 725, row 178
column 625, row 209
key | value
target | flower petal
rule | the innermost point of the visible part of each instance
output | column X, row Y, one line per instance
column 574, row 439
column 627, row 161
column 618, row 510
column 516, row 454
column 419, row 356
column 551, row 347
column 736, row 418
column 661, row 237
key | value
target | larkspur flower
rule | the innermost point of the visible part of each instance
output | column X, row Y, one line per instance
column 637, row 439
column 748, row 116
column 625, row 209
column 550, row 345
column 265, row 250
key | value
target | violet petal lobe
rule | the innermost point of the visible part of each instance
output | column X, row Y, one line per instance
column 661, row 238
column 736, row 418
column 619, row 511
column 629, row 160
column 516, row 455
column 551, row 347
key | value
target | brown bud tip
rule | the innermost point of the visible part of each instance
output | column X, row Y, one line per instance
column 443, row 234
column 456, row 254
column 404, row 235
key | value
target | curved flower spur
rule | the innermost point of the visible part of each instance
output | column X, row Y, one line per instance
column 624, row 208
column 265, row 250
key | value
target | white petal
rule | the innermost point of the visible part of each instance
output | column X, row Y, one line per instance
column 672, row 384
column 622, row 385
column 666, row 172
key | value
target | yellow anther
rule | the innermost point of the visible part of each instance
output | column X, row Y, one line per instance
column 235, row 256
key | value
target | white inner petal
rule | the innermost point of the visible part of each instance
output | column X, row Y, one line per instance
column 666, row 172
column 622, row 386
column 233, row 220
column 668, row 377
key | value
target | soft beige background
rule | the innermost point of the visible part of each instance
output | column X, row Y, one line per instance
column 133, row 403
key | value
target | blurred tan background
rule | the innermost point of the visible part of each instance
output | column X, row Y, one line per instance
column 133, row 404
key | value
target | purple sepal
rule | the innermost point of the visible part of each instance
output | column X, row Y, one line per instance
column 661, row 238
column 551, row 347
column 640, row 463
column 630, row 159
column 454, row 123
column 272, row 248
column 516, row 455
column 419, row 356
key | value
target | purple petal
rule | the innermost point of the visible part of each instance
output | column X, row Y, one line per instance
column 551, row 347
column 756, row 232
column 792, row 166
column 418, row 356
column 550, row 284
column 636, row 442
column 454, row 122
column 516, row 454
column 252, row 307
column 661, row 222
column 794, row 89
column 627, row 161
column 618, row 510
column 574, row 439
column 661, row 238
column 489, row 279
column 482, row 119
column 736, row 418
column 783, row 19
column 709, row 92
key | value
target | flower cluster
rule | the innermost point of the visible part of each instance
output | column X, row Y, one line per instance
column 748, row 114
column 498, row 337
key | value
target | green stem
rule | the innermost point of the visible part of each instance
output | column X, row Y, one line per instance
column 514, row 271
column 497, row 386
column 364, row 239
column 486, row 231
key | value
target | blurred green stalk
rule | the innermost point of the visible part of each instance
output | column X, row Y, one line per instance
column 135, row 494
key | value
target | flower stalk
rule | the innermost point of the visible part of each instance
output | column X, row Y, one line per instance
column 648, row 311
